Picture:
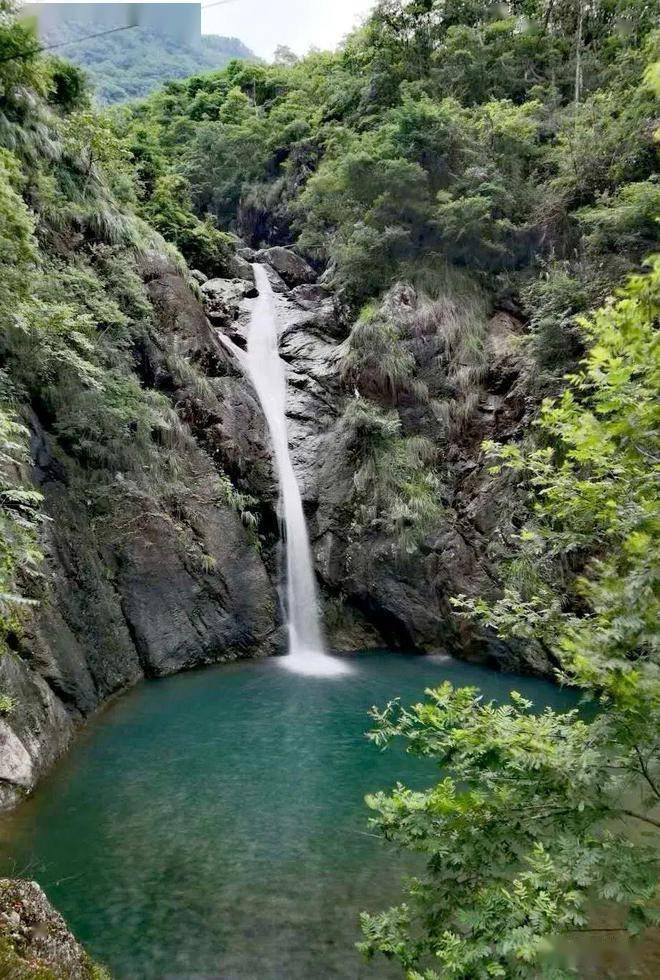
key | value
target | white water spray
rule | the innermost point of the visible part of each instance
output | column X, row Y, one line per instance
column 267, row 373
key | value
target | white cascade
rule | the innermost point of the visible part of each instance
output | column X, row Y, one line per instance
column 266, row 370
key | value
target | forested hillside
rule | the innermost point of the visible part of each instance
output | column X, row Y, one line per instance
column 132, row 63
column 519, row 148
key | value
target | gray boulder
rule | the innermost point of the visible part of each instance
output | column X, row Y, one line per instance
column 223, row 299
column 291, row 267
column 310, row 295
column 241, row 268
column 247, row 253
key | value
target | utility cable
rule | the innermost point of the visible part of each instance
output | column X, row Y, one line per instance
column 61, row 44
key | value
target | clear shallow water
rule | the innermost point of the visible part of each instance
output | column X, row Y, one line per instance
column 212, row 824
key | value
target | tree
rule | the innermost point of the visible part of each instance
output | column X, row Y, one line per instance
column 285, row 56
column 549, row 824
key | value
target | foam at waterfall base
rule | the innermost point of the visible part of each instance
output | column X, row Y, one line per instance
column 314, row 664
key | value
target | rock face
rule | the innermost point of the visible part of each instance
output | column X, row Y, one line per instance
column 406, row 597
column 373, row 595
column 35, row 940
column 154, row 587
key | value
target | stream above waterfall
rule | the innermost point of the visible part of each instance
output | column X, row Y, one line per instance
column 213, row 825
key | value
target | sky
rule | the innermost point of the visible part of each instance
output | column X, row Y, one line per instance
column 263, row 24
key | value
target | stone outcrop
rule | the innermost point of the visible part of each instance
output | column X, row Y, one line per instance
column 35, row 941
column 151, row 588
column 288, row 264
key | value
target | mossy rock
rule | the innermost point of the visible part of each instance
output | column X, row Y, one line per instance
column 35, row 941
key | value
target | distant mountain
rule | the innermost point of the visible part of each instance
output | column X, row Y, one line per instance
column 132, row 63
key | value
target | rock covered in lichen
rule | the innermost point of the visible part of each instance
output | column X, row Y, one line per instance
column 35, row 941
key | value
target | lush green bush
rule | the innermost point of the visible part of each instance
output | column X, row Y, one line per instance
column 169, row 210
column 395, row 486
column 376, row 361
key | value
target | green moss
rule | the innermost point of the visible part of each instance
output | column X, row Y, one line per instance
column 15, row 967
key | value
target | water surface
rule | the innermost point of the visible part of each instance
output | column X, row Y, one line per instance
column 213, row 825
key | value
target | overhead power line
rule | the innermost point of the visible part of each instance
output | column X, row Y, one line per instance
column 61, row 44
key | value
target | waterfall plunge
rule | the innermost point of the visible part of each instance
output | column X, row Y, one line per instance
column 267, row 373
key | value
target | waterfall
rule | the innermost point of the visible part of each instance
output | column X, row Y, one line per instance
column 266, row 370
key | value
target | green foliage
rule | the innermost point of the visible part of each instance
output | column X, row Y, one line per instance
column 243, row 504
column 627, row 221
column 395, row 488
column 553, row 299
column 169, row 210
column 19, row 519
column 18, row 253
column 526, row 836
column 542, row 823
column 68, row 86
column 596, row 498
column 375, row 359
column 18, row 66
column 224, row 155
column 443, row 128
column 7, row 704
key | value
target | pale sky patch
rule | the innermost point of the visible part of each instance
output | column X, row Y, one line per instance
column 300, row 24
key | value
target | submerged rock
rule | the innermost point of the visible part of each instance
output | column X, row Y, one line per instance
column 35, row 941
